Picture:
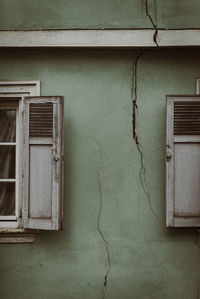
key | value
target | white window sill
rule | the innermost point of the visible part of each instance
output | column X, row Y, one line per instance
column 17, row 235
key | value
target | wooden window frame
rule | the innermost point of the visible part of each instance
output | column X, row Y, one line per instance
column 14, row 221
column 33, row 213
column 12, row 231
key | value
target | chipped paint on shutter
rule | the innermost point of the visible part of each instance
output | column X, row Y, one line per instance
column 182, row 161
column 43, row 163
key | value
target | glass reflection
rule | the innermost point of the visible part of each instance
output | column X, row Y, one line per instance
column 7, row 199
column 7, row 125
column 7, row 162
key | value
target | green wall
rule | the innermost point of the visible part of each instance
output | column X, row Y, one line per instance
column 40, row 14
column 148, row 260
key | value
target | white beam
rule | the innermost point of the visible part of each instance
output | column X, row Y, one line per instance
column 77, row 38
column 99, row 38
column 179, row 38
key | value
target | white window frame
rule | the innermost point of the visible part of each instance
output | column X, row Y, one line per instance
column 198, row 86
column 14, row 221
column 12, row 231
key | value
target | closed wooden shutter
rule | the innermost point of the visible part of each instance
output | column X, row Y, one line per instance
column 43, row 162
column 183, row 161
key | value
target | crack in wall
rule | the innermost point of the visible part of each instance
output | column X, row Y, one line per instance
column 102, row 236
column 155, row 36
column 134, row 96
column 100, row 231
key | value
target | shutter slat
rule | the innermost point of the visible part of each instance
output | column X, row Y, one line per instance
column 41, row 120
column 186, row 118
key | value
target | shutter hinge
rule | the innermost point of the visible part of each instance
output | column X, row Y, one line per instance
column 168, row 153
column 55, row 155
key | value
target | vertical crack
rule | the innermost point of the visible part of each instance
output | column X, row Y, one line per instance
column 134, row 96
column 100, row 231
column 152, row 22
column 102, row 236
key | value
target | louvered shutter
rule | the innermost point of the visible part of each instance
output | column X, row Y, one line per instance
column 43, row 162
column 183, row 161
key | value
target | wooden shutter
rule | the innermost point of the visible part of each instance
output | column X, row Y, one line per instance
column 43, row 162
column 183, row 161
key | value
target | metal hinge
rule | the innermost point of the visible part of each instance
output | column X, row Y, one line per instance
column 168, row 153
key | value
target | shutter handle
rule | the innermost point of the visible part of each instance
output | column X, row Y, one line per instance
column 55, row 155
column 169, row 153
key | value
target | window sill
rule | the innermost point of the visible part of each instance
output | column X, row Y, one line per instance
column 17, row 235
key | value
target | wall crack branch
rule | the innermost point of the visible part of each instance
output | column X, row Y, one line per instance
column 134, row 96
column 102, row 236
column 155, row 36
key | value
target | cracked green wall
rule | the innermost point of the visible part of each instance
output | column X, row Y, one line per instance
column 148, row 260
column 28, row 14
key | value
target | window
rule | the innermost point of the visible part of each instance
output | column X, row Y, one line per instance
column 31, row 165
column 9, row 163
column 182, row 161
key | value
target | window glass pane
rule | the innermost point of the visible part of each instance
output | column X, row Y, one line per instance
column 7, row 199
column 7, row 125
column 7, row 162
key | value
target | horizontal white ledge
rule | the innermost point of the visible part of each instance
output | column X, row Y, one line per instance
column 8, row 218
column 7, row 180
column 77, row 38
column 179, row 38
column 99, row 38
column 8, row 224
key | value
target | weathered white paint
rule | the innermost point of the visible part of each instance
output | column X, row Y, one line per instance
column 186, row 176
column 198, row 86
column 40, row 173
column 186, row 138
column 19, row 88
column 97, row 38
column 10, row 231
column 169, row 164
column 179, row 38
column 17, row 235
column 182, row 172
column 42, row 181
column 187, row 221
column 77, row 38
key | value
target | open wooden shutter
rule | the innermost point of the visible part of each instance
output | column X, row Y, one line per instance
column 43, row 162
column 183, row 161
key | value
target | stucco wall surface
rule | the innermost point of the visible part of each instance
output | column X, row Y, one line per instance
column 28, row 14
column 102, row 179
